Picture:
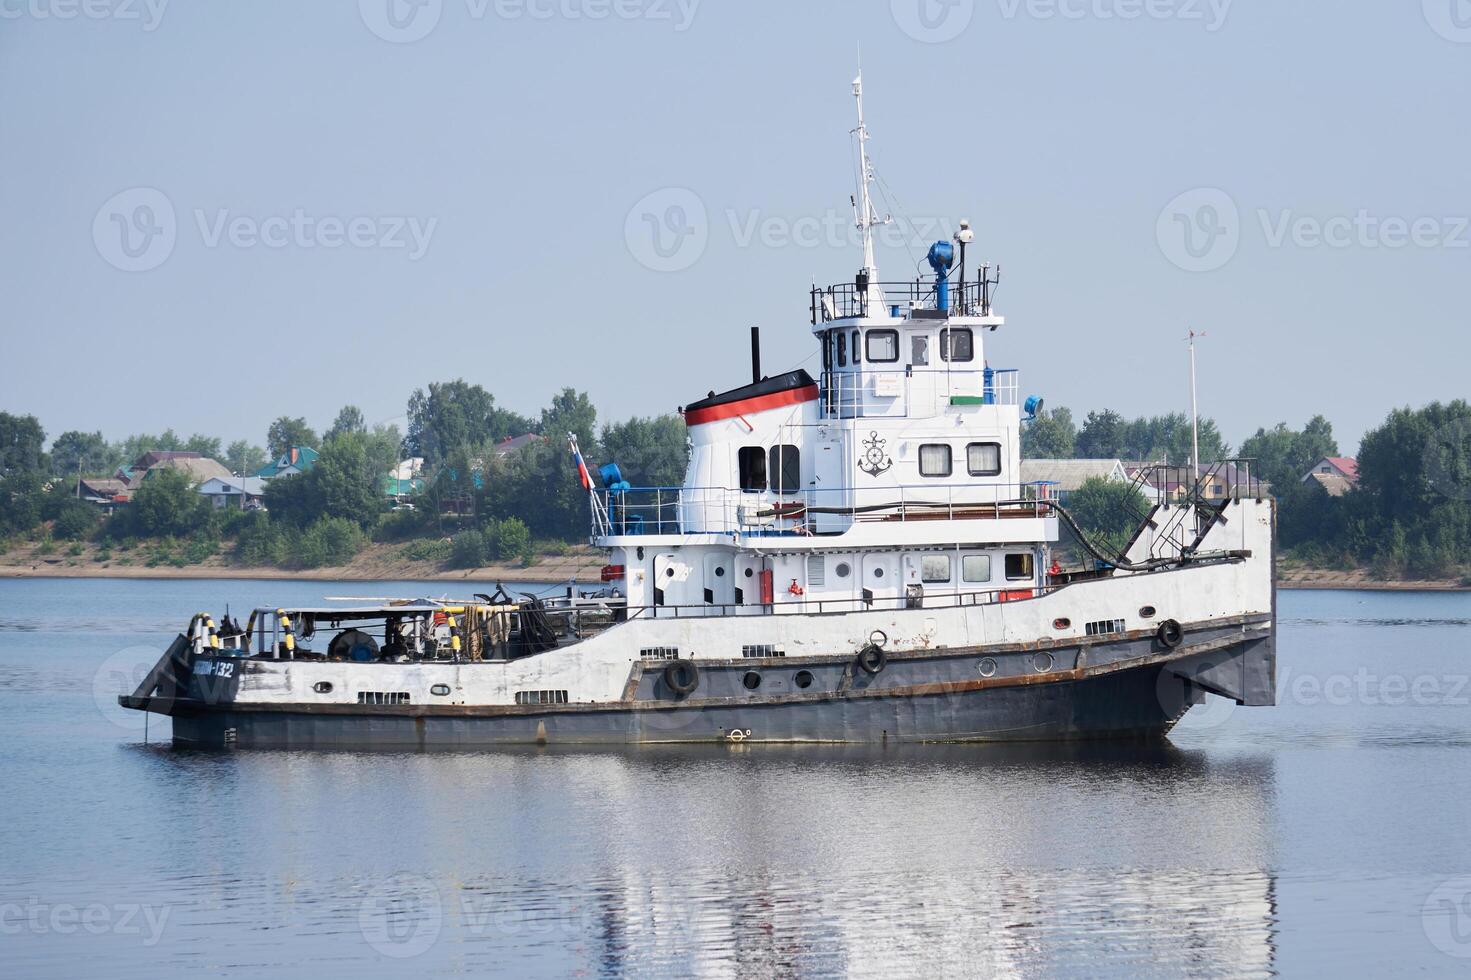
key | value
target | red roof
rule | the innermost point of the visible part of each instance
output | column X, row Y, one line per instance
column 1350, row 467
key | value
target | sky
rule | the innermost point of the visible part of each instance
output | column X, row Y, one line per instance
column 214, row 214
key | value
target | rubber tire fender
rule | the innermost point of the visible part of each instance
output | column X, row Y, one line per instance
column 872, row 659
column 681, row 676
column 1170, row 634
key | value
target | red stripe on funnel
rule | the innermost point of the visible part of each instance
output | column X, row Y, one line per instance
column 750, row 406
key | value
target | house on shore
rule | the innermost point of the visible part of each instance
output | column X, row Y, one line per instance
column 293, row 462
column 235, row 492
column 1055, row 478
column 1337, row 475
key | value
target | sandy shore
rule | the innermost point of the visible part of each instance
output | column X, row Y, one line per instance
column 377, row 563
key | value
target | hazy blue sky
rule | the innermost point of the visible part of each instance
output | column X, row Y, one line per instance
column 216, row 213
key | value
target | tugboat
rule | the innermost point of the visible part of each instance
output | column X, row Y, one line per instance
column 851, row 558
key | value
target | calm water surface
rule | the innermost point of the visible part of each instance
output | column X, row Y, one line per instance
column 1328, row 834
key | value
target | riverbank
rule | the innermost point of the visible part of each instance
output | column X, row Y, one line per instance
column 375, row 563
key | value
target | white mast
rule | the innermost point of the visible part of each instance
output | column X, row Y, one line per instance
column 865, row 215
column 1194, row 416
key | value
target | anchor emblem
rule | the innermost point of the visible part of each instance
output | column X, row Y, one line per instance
column 875, row 460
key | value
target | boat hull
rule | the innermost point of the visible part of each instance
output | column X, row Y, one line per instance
column 1132, row 690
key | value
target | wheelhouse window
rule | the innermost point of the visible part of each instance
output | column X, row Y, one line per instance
column 751, row 461
column 957, row 344
column 857, row 356
column 883, row 346
column 975, row 569
column 919, row 354
column 983, row 459
column 827, row 350
column 934, row 569
column 935, row 460
column 785, row 469
column 842, row 348
column 1019, row 567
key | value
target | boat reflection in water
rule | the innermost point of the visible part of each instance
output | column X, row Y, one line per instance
column 1027, row 859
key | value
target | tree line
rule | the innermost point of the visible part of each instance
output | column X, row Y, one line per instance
column 1408, row 516
column 494, row 505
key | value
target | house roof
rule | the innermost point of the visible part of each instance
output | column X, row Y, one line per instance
column 251, row 486
column 104, row 488
column 196, row 468
column 1333, row 484
column 297, row 458
column 515, row 443
column 1070, row 474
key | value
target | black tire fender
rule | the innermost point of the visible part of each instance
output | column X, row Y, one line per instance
column 681, row 676
column 872, row 659
column 1170, row 634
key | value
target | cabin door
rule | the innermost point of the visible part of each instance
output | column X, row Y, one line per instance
column 829, row 487
column 671, row 584
column 719, row 585
column 882, row 582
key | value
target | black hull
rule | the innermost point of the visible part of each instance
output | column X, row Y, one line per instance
column 1142, row 703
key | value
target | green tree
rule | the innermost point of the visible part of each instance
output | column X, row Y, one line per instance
column 76, row 452
column 75, row 519
column 207, row 446
column 1052, row 435
column 128, row 451
column 22, row 497
column 22, row 442
column 349, row 421
column 511, row 539
column 454, row 415
column 1108, row 508
column 342, row 484
column 166, row 504
column 1102, row 436
column 1283, row 455
column 286, row 432
column 329, row 541
column 650, row 452
column 244, row 458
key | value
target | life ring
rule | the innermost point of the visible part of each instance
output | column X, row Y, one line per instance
column 872, row 659
column 681, row 676
column 1170, row 634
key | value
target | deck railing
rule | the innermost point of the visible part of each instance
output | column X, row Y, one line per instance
column 843, row 300
column 915, row 393
column 728, row 511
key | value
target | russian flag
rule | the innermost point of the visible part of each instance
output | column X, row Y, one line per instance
column 582, row 473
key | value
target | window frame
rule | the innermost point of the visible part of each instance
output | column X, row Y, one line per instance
column 779, row 457
column 945, row 352
column 856, row 345
column 842, row 347
column 924, row 575
column 868, row 339
column 966, row 579
column 1031, row 563
column 975, row 472
column 743, row 468
column 949, row 460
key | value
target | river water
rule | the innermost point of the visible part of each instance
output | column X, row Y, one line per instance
column 1327, row 834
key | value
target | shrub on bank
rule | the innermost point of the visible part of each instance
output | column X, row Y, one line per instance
column 330, row 541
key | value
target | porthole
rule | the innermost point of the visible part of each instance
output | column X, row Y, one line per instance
column 1061, row 623
column 987, row 667
column 752, row 680
column 803, row 679
column 720, row 572
column 322, row 687
column 1147, row 612
column 749, row 573
column 440, row 690
column 842, row 570
column 669, row 573
column 1042, row 662
column 878, row 573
